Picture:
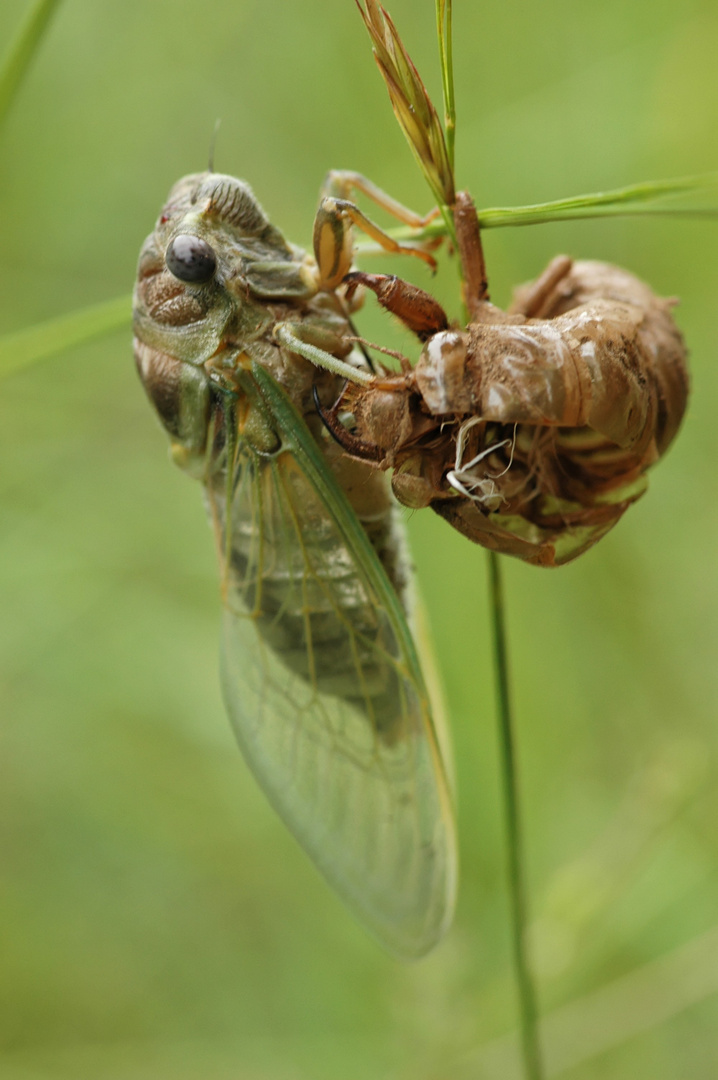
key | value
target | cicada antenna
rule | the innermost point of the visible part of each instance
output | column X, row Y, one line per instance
column 213, row 143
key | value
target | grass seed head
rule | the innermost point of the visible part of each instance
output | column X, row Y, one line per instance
column 410, row 100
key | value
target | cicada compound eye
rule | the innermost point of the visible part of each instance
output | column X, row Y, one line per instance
column 191, row 259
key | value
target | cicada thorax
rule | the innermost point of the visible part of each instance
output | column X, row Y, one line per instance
column 532, row 434
column 214, row 280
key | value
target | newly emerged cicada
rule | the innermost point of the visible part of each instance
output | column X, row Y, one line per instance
column 320, row 673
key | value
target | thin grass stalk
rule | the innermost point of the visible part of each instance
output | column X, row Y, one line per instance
column 528, row 1011
column 528, row 1014
column 444, row 24
column 17, row 59
column 446, row 57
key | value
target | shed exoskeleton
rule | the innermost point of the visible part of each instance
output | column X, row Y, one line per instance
column 530, row 431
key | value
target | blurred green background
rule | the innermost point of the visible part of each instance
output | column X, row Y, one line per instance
column 156, row 920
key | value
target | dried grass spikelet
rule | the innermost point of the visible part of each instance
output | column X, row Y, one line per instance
column 410, row 100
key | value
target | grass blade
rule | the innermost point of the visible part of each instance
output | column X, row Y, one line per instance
column 24, row 347
column 651, row 198
column 19, row 56
column 497, row 217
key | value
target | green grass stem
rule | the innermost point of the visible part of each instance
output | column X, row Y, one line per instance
column 444, row 21
column 528, row 1013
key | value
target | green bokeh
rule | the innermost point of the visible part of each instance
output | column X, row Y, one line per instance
column 156, row 920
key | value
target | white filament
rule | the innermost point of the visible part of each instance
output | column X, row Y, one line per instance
column 481, row 490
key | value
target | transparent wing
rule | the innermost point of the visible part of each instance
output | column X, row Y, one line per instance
column 324, row 690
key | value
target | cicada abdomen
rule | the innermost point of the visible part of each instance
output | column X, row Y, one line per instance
column 531, row 431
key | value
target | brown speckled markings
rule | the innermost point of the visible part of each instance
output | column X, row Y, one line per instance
column 531, row 431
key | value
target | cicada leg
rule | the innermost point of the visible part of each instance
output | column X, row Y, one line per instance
column 287, row 334
column 365, row 451
column 536, row 300
column 417, row 309
column 333, row 244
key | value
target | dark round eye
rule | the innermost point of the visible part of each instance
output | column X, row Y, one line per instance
column 190, row 259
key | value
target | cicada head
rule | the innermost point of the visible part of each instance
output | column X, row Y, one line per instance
column 205, row 271
column 206, row 277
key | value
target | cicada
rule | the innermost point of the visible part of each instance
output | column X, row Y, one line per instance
column 320, row 673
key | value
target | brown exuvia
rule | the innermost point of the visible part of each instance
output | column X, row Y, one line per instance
column 531, row 430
